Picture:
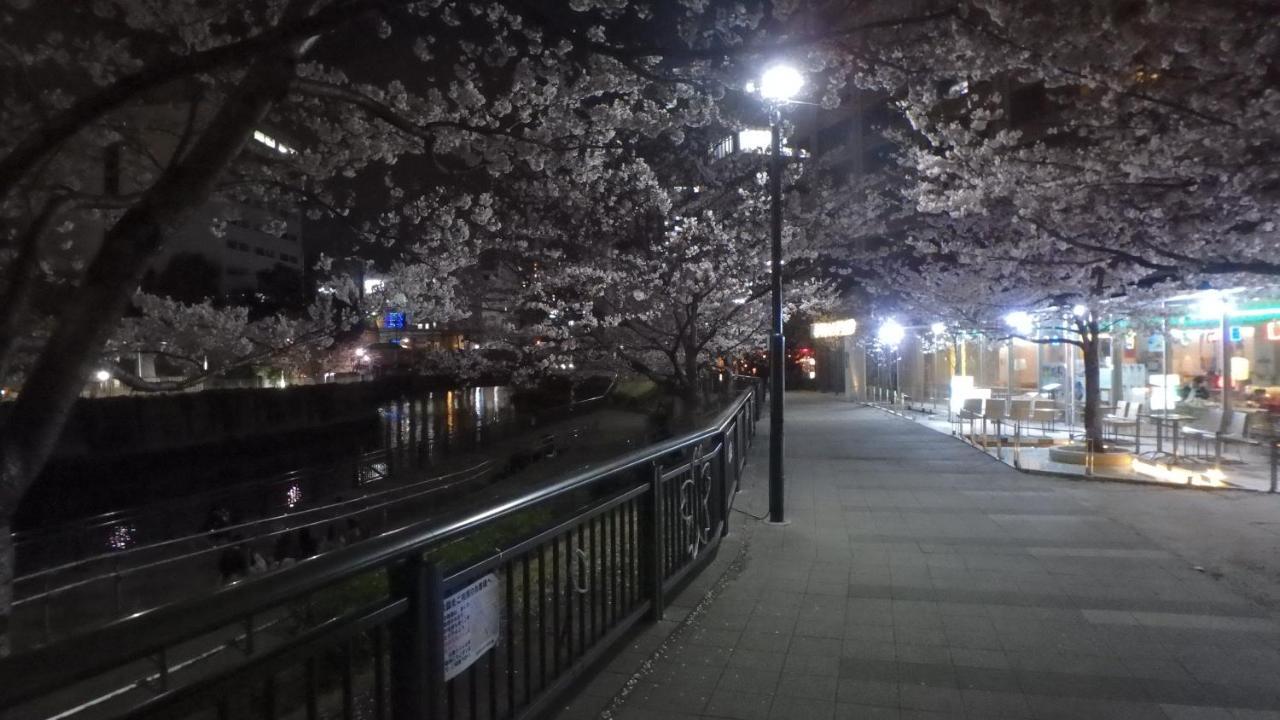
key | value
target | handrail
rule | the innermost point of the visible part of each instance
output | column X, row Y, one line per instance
column 67, row 661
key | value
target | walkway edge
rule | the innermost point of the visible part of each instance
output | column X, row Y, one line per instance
column 732, row 568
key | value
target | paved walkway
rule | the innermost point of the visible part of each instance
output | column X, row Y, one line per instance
column 919, row 578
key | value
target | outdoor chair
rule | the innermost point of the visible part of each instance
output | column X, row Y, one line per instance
column 1203, row 428
column 993, row 411
column 1044, row 412
column 971, row 411
column 1125, row 417
column 1236, row 432
column 1021, row 412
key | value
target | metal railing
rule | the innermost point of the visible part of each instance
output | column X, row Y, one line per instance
column 373, row 629
column 95, row 590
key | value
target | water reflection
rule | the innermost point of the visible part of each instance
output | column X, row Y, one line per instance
column 423, row 430
column 152, row 496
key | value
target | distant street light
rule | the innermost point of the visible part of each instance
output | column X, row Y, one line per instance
column 102, row 376
column 1021, row 322
column 891, row 333
column 778, row 85
column 938, row 328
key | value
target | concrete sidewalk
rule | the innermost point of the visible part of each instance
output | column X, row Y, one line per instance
column 919, row 578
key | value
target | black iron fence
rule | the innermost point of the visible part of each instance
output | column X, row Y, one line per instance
column 124, row 562
column 488, row 613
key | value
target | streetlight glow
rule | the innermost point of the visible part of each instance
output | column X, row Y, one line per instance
column 1212, row 306
column 891, row 333
column 102, row 375
column 780, row 83
column 1079, row 311
column 938, row 328
column 1021, row 322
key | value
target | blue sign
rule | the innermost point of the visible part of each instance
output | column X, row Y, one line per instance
column 1236, row 334
column 394, row 321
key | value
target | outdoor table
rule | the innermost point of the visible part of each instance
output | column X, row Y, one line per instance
column 1161, row 418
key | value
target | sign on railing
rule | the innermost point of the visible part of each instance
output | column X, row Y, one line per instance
column 471, row 624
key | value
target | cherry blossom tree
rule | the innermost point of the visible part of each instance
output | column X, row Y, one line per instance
column 169, row 96
column 1143, row 132
column 676, row 281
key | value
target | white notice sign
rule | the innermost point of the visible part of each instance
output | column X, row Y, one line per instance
column 471, row 622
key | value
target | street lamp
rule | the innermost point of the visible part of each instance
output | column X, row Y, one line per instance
column 891, row 335
column 1021, row 322
column 778, row 86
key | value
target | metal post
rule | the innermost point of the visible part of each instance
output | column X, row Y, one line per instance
column 417, row 642
column 1009, row 370
column 1069, row 357
column 777, row 343
column 1224, row 363
column 651, row 545
column 1166, row 359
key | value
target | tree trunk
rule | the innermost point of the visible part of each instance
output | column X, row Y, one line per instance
column 85, row 324
column 693, row 378
column 22, row 280
column 1092, row 386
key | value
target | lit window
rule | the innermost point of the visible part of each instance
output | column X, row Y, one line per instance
column 272, row 143
column 754, row 139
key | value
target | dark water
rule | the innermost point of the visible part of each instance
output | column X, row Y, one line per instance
column 132, row 495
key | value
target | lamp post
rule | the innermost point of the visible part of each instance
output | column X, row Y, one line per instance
column 778, row 86
column 891, row 335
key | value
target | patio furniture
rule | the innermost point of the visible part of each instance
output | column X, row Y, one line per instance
column 1126, row 415
column 971, row 410
column 1021, row 412
column 1172, row 420
column 1045, row 412
column 1210, row 427
column 993, row 411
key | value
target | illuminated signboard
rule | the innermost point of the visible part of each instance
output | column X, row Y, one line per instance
column 1273, row 330
column 839, row 328
column 394, row 321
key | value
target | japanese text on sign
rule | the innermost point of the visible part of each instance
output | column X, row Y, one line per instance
column 471, row 624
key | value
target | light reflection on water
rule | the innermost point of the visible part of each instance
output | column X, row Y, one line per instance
column 420, row 431
column 434, row 424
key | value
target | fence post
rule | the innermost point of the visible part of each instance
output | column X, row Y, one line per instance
column 651, row 544
column 1275, row 461
column 417, row 641
column 723, row 475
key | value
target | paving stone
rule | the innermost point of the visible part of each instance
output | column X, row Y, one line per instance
column 919, row 579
